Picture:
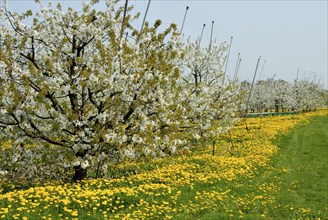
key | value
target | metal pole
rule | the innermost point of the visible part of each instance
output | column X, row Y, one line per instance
column 201, row 35
column 211, row 35
column 226, row 66
column 124, row 14
column 143, row 22
column 262, row 70
column 238, row 69
column 234, row 75
column 184, row 19
column 250, row 92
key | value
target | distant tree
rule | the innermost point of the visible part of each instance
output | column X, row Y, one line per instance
column 282, row 95
column 261, row 99
column 308, row 95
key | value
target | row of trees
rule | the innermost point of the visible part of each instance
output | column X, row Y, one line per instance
column 280, row 95
column 89, row 88
column 83, row 90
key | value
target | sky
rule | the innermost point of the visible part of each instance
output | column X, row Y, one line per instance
column 288, row 35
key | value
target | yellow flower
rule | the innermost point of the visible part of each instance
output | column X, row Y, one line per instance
column 75, row 213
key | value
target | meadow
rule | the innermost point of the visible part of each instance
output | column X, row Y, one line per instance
column 264, row 168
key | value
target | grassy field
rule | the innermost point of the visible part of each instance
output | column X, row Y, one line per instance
column 304, row 154
column 275, row 169
column 296, row 183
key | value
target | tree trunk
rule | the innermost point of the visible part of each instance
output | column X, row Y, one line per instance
column 80, row 173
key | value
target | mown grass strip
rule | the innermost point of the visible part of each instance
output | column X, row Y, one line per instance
column 304, row 155
column 296, row 184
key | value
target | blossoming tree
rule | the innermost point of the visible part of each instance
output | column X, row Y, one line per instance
column 301, row 95
column 75, row 81
column 308, row 95
column 261, row 97
column 212, row 102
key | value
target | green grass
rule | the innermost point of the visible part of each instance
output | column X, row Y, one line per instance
column 297, row 180
column 304, row 153
column 293, row 186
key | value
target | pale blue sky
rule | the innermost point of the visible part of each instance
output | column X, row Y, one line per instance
column 287, row 34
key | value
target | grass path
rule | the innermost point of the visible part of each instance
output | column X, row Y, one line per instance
column 304, row 153
column 296, row 185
